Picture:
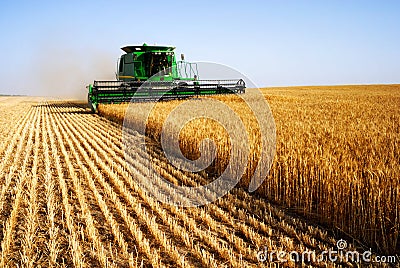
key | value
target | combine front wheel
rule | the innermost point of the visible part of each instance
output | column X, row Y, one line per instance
column 92, row 106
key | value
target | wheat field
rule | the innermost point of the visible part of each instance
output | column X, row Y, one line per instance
column 337, row 159
column 68, row 197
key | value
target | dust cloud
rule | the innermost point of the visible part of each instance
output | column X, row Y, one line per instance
column 64, row 72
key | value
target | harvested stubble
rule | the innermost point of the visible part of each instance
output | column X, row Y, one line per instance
column 67, row 199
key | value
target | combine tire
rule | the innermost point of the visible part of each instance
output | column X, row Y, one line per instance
column 91, row 105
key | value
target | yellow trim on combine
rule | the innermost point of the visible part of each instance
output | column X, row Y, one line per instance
column 126, row 76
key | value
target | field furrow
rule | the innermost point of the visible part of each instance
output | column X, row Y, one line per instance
column 74, row 230
column 19, row 175
column 55, row 242
column 99, row 252
column 30, row 239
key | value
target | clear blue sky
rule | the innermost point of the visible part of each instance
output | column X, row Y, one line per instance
column 56, row 47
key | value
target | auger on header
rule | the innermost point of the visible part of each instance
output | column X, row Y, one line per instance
column 155, row 70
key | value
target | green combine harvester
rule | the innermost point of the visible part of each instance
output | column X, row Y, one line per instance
column 137, row 79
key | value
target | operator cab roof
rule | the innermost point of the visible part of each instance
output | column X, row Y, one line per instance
column 146, row 48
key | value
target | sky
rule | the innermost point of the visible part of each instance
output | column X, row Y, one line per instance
column 57, row 47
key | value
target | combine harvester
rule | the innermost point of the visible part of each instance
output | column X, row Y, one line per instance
column 137, row 68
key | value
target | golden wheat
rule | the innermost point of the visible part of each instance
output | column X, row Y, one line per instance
column 337, row 153
column 69, row 197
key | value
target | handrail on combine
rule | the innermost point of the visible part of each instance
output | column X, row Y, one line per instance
column 190, row 72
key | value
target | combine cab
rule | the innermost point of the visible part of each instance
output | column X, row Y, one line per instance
column 137, row 79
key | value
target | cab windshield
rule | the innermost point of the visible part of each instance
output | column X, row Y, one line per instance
column 157, row 62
